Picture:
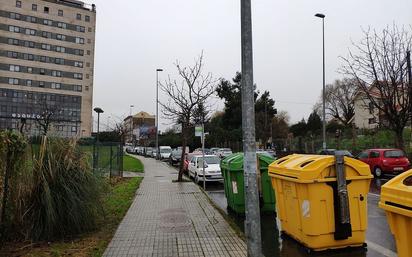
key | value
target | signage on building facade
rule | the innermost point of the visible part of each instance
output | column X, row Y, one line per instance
column 26, row 116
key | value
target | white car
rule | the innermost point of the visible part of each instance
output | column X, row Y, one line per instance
column 165, row 152
column 212, row 168
column 223, row 152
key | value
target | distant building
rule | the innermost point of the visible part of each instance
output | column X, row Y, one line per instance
column 140, row 128
column 367, row 115
column 46, row 65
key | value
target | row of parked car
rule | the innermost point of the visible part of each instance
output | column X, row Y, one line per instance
column 381, row 161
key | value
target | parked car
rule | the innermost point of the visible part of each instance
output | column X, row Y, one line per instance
column 149, row 151
column 271, row 152
column 213, row 150
column 175, row 156
column 164, row 152
column 223, row 152
column 212, row 168
column 264, row 152
column 385, row 161
column 332, row 152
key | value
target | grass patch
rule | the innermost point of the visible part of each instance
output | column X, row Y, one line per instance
column 132, row 164
column 115, row 203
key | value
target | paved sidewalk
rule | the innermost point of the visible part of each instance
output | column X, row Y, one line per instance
column 172, row 219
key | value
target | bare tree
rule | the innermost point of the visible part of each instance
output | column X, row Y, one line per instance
column 185, row 97
column 379, row 67
column 48, row 113
column 340, row 99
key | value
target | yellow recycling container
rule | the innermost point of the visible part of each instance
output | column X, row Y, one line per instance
column 396, row 200
column 307, row 194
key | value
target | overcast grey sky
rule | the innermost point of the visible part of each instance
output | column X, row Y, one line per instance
column 136, row 37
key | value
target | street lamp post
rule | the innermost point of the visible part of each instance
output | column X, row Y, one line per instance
column 131, row 123
column 252, row 222
column 98, row 110
column 157, row 112
column 322, row 16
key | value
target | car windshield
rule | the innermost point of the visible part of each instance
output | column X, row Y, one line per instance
column 210, row 159
column 394, row 154
column 226, row 150
column 165, row 150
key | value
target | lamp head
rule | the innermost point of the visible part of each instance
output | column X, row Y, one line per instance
column 320, row 15
column 98, row 110
column 159, row 69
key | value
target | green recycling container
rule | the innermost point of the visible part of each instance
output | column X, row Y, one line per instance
column 232, row 171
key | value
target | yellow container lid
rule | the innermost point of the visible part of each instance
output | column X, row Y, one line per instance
column 316, row 168
column 397, row 192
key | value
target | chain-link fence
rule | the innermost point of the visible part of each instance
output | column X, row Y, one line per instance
column 105, row 157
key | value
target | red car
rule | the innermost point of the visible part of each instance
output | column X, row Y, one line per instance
column 385, row 161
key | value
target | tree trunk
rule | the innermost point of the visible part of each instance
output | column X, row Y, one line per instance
column 399, row 139
column 353, row 136
column 182, row 157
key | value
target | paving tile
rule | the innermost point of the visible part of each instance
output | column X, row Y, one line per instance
column 172, row 220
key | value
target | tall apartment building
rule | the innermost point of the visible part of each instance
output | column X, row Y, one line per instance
column 46, row 66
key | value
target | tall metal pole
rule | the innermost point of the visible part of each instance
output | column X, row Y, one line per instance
column 131, row 123
column 323, row 88
column 203, row 155
column 97, row 139
column 322, row 16
column 408, row 66
column 157, row 112
column 252, row 223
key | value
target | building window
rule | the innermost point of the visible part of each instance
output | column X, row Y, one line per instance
column 47, row 22
column 78, row 16
column 55, row 85
column 34, row 7
column 88, row 52
column 60, row 37
column 31, row 19
column 18, row 4
column 41, row 83
column 87, row 64
column 15, row 16
column 13, row 81
column 78, row 64
column 15, row 68
column 42, row 71
column 370, row 106
column 60, row 13
column 14, row 29
column 87, row 76
column 46, row 9
column 29, row 69
column 31, row 32
column 28, row 83
column 89, row 29
column 86, row 88
column 89, row 41
column 79, row 40
column 87, row 18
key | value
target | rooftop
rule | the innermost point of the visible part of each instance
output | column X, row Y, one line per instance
column 74, row 4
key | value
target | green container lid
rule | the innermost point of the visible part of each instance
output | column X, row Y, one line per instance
column 234, row 162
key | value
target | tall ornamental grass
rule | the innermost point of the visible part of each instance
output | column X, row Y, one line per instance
column 53, row 192
column 65, row 197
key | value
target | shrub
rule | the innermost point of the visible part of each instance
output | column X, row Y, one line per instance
column 65, row 195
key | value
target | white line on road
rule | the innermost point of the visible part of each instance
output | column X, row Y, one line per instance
column 382, row 250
